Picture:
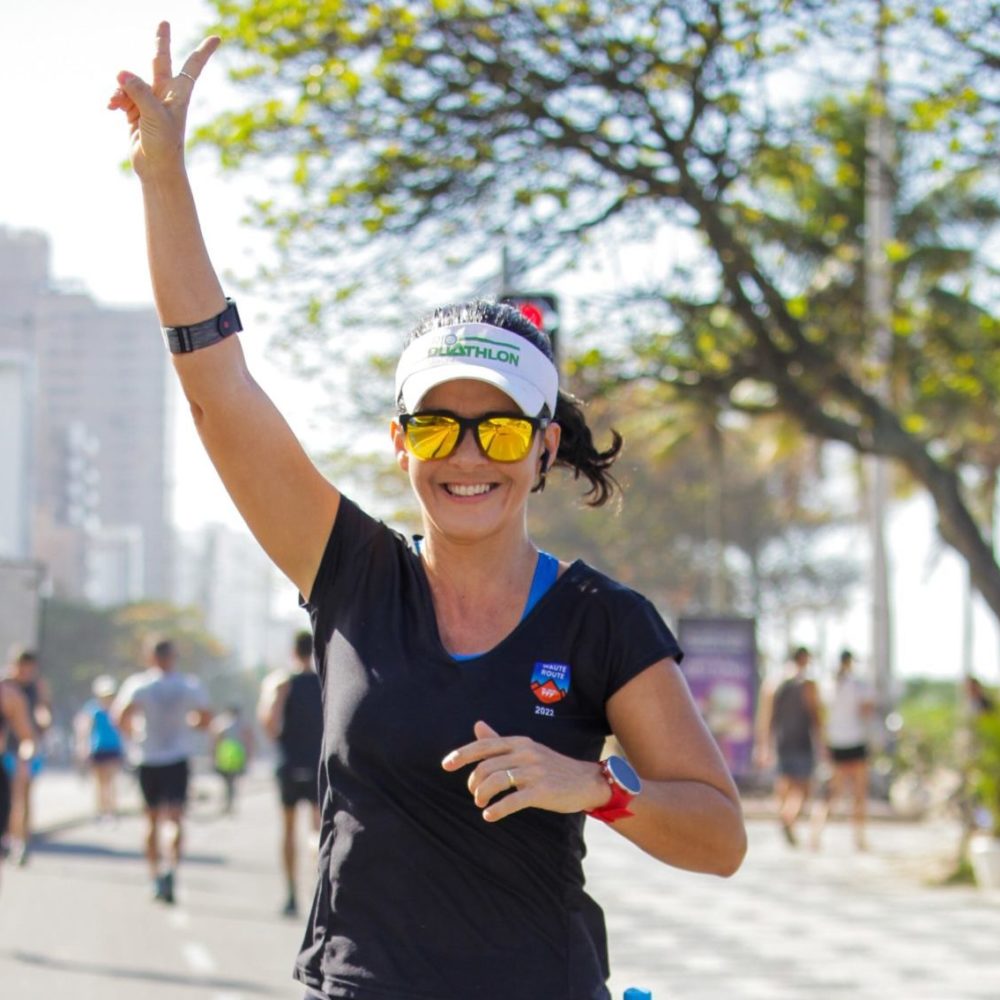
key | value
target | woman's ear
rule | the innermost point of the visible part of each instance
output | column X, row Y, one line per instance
column 550, row 449
column 550, row 444
column 399, row 445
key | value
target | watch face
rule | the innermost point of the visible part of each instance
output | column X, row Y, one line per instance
column 624, row 775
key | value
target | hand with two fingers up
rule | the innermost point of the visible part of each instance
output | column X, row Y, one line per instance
column 157, row 113
column 534, row 775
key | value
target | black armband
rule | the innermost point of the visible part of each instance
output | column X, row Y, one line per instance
column 185, row 339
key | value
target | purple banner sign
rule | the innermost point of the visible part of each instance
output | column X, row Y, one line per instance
column 720, row 665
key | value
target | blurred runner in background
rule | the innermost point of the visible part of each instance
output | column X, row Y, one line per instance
column 232, row 749
column 848, row 711
column 790, row 737
column 291, row 712
column 99, row 744
column 23, row 673
column 14, row 720
column 170, row 705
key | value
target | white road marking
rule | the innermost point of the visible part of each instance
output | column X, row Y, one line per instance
column 198, row 957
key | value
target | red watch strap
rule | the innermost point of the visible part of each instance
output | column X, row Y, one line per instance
column 617, row 806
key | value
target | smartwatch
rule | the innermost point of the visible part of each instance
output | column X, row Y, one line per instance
column 625, row 785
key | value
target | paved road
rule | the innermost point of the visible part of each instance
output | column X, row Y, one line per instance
column 77, row 921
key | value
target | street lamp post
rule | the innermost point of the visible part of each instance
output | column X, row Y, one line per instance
column 879, row 154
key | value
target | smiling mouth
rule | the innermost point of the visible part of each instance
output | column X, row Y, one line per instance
column 469, row 489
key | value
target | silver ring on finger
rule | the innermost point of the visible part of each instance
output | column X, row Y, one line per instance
column 511, row 780
column 188, row 75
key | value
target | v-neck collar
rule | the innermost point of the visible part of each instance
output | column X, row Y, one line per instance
column 428, row 598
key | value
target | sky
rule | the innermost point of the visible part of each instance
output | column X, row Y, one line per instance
column 61, row 175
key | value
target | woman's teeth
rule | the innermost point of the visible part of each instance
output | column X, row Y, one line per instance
column 464, row 490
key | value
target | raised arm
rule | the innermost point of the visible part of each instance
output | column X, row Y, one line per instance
column 287, row 504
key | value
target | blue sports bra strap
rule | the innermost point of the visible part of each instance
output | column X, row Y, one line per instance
column 546, row 571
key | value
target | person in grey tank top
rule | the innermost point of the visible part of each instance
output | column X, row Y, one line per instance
column 789, row 736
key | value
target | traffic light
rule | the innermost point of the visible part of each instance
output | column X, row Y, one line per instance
column 541, row 308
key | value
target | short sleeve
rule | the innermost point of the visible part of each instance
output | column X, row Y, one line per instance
column 363, row 560
column 347, row 553
column 641, row 638
column 127, row 693
column 198, row 694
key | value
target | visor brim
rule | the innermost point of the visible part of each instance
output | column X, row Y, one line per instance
column 525, row 395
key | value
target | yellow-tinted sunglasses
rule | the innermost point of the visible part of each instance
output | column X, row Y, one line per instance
column 502, row 437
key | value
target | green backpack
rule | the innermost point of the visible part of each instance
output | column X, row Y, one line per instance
column 230, row 755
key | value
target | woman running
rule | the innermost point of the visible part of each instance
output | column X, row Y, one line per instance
column 469, row 680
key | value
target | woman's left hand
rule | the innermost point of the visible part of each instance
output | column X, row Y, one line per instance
column 157, row 113
column 534, row 774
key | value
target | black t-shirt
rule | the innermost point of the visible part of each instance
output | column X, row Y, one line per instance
column 419, row 898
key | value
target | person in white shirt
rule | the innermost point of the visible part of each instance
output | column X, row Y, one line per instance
column 170, row 705
column 848, row 713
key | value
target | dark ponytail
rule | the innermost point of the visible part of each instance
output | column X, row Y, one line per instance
column 576, row 445
column 578, row 452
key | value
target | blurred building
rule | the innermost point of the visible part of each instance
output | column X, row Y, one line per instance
column 246, row 602
column 85, row 387
column 17, row 396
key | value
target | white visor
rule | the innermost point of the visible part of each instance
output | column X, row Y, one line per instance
column 482, row 352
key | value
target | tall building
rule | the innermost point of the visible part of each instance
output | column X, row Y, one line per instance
column 16, row 405
column 97, row 488
column 20, row 576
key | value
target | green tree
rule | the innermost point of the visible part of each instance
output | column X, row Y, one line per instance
column 79, row 642
column 76, row 645
column 418, row 135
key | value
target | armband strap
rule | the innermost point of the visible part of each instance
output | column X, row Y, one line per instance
column 185, row 339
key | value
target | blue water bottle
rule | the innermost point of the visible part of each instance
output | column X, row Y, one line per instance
column 635, row 994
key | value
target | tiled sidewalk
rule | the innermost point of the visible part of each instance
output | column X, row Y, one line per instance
column 797, row 924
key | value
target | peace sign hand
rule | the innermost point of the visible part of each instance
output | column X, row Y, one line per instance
column 157, row 114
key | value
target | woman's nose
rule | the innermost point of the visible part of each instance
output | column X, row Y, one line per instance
column 468, row 449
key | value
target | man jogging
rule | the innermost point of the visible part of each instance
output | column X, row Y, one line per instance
column 23, row 673
column 291, row 712
column 15, row 720
column 171, row 704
